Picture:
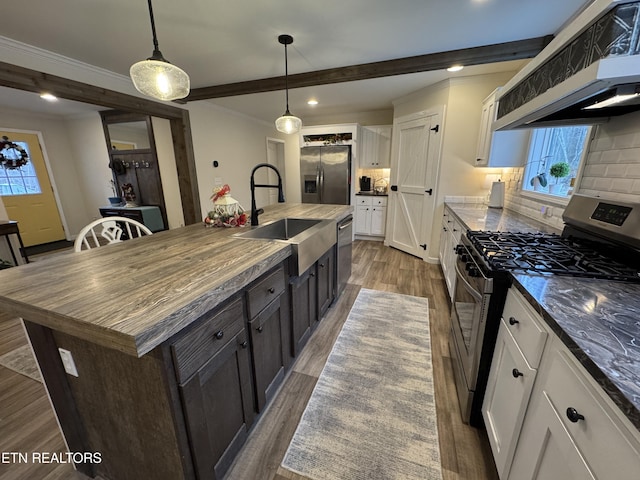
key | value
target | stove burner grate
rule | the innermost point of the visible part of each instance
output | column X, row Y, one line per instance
column 552, row 254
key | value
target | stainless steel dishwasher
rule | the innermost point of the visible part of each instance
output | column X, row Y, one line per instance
column 343, row 259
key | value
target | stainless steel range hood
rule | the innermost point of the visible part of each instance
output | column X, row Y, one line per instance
column 594, row 58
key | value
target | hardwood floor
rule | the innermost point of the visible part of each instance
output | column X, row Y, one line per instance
column 27, row 423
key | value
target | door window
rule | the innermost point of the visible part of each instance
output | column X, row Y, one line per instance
column 18, row 181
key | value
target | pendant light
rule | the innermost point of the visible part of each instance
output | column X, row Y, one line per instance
column 156, row 77
column 287, row 123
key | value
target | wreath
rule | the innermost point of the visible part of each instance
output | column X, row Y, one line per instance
column 12, row 155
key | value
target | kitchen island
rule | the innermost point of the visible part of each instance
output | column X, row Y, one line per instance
column 137, row 319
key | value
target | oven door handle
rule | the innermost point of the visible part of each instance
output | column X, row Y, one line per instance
column 474, row 293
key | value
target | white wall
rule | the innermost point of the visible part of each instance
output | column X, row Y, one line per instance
column 238, row 143
column 168, row 171
column 458, row 176
column 91, row 157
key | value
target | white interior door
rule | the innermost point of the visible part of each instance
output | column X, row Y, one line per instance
column 415, row 158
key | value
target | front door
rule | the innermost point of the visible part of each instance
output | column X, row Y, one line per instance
column 416, row 150
column 28, row 196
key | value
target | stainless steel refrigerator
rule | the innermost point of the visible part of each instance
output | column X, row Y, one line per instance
column 326, row 174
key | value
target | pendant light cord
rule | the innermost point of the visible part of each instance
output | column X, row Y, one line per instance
column 156, row 50
column 286, row 75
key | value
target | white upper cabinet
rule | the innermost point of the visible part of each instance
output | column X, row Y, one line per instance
column 499, row 149
column 375, row 147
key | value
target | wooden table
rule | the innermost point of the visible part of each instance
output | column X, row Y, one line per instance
column 10, row 227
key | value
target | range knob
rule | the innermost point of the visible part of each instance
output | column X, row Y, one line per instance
column 474, row 272
column 460, row 249
column 464, row 258
column 468, row 266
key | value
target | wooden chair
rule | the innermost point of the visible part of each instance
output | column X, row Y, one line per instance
column 108, row 230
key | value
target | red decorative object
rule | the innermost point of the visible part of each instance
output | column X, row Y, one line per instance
column 227, row 212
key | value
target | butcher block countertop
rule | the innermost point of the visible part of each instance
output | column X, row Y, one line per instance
column 134, row 295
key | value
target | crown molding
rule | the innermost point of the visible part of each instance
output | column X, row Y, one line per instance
column 35, row 58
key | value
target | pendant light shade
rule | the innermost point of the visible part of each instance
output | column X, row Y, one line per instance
column 287, row 123
column 156, row 77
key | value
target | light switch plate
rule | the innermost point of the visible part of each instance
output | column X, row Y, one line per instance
column 67, row 361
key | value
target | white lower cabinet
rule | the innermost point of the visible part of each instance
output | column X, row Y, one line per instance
column 371, row 215
column 572, row 430
column 556, row 423
column 449, row 239
column 519, row 346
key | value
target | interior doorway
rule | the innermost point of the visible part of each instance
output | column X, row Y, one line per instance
column 275, row 157
column 28, row 192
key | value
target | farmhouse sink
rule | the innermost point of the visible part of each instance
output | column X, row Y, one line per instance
column 309, row 238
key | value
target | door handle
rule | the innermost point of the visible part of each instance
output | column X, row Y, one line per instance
column 430, row 191
column 424, row 246
column 394, row 188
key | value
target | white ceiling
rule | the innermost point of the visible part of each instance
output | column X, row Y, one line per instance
column 223, row 42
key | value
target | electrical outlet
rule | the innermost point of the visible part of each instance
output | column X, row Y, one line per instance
column 549, row 212
column 217, row 182
column 67, row 362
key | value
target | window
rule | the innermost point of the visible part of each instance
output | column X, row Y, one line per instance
column 555, row 157
column 19, row 181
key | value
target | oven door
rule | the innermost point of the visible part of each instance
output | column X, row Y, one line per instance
column 468, row 320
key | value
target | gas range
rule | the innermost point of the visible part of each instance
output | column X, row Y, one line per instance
column 552, row 254
column 600, row 240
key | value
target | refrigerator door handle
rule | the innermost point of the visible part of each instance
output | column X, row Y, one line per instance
column 321, row 186
column 318, row 184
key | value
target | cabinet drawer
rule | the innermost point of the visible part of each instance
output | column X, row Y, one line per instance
column 198, row 345
column 379, row 201
column 525, row 326
column 263, row 292
column 363, row 200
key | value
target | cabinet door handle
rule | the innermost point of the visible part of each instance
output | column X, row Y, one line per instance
column 573, row 415
column 244, row 344
column 312, row 274
column 260, row 328
column 271, row 289
column 513, row 321
column 322, row 265
column 219, row 335
column 516, row 373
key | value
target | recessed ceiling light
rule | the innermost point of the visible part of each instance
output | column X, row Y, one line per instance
column 455, row 68
column 312, row 102
column 48, row 97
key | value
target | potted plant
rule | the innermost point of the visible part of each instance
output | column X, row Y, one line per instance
column 558, row 171
column 115, row 201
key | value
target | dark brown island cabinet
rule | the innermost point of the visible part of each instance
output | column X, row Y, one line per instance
column 185, row 409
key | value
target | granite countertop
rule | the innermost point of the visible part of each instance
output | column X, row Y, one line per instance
column 480, row 217
column 134, row 295
column 596, row 319
column 372, row 194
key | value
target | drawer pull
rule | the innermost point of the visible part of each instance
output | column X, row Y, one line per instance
column 513, row 321
column 322, row 265
column 272, row 290
column 260, row 328
column 219, row 335
column 312, row 274
column 516, row 373
column 244, row 344
column 573, row 415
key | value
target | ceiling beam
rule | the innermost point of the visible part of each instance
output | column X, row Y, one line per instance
column 500, row 52
column 21, row 78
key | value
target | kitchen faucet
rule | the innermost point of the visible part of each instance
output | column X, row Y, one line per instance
column 255, row 211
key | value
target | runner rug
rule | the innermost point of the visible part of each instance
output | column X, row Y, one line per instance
column 21, row 360
column 372, row 413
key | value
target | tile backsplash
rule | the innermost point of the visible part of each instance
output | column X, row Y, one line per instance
column 611, row 171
